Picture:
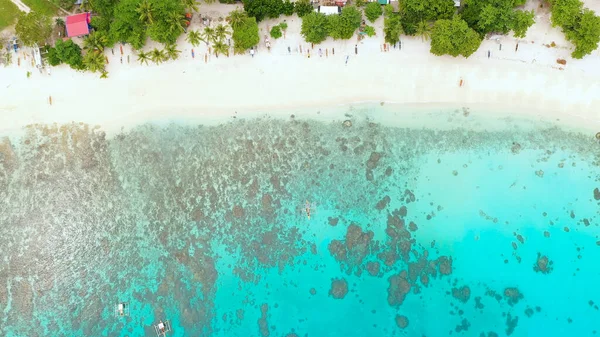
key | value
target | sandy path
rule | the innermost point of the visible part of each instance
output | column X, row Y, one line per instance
column 23, row 7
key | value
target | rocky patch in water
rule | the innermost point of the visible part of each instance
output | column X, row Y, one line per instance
column 401, row 321
column 543, row 264
column 512, row 295
column 462, row 294
column 263, row 325
column 511, row 324
column 339, row 288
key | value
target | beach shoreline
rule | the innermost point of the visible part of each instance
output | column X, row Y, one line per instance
column 527, row 84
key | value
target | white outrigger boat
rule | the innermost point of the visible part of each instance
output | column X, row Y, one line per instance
column 122, row 309
column 162, row 328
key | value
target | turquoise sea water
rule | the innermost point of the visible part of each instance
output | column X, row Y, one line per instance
column 413, row 231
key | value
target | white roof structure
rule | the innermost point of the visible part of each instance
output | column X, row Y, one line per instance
column 329, row 10
column 456, row 3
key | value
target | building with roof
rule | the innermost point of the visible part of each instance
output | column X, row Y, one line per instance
column 78, row 25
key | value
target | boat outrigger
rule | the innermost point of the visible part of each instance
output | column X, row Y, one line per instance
column 122, row 309
column 162, row 328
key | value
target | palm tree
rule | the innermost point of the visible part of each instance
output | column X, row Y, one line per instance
column 221, row 48
column 94, row 61
column 194, row 38
column 97, row 40
column 104, row 74
column 143, row 57
column 171, row 51
column 236, row 18
column 191, row 5
column 176, row 22
column 157, row 56
column 221, row 32
column 208, row 35
column 424, row 30
column 145, row 11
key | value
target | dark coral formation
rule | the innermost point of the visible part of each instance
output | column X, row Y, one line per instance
column 596, row 193
column 352, row 251
column 398, row 288
column 512, row 295
column 383, row 203
column 543, row 264
column 462, row 294
column 511, row 324
column 373, row 267
column 401, row 321
column 463, row 326
column 339, row 288
column 263, row 325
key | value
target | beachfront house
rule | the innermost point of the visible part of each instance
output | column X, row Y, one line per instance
column 329, row 10
column 78, row 25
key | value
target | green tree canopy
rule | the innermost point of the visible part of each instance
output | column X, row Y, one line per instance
column 65, row 52
column 454, row 37
column 344, row 25
column 33, row 28
column 580, row 26
column 392, row 25
column 169, row 21
column 412, row 12
column 261, row 9
column 315, row 27
column 522, row 21
column 276, row 32
column 585, row 35
column 245, row 35
column 373, row 11
column 497, row 16
column 303, row 7
column 126, row 26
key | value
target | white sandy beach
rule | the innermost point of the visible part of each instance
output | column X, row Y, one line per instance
column 527, row 81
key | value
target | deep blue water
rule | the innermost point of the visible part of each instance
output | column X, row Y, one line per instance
column 413, row 232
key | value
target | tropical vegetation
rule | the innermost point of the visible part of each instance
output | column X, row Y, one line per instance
column 67, row 52
column 497, row 16
column 580, row 25
column 373, row 11
column 392, row 25
column 245, row 33
column 315, row 27
column 33, row 28
column 444, row 38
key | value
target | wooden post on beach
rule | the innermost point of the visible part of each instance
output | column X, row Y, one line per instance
column 19, row 61
column 205, row 57
column 332, row 51
column 106, row 58
column 121, row 47
column 326, row 52
column 300, row 49
column 50, row 100
column 461, row 83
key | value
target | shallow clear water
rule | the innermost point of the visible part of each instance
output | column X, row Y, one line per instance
column 413, row 232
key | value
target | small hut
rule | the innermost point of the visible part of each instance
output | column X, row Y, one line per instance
column 78, row 25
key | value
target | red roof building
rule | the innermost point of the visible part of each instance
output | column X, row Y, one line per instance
column 78, row 25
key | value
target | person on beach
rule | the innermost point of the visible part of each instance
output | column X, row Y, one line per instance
column 489, row 54
column 347, row 57
column 320, row 53
column 356, row 49
column 252, row 52
column 517, row 47
column 289, row 50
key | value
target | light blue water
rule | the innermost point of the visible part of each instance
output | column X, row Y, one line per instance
column 204, row 226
